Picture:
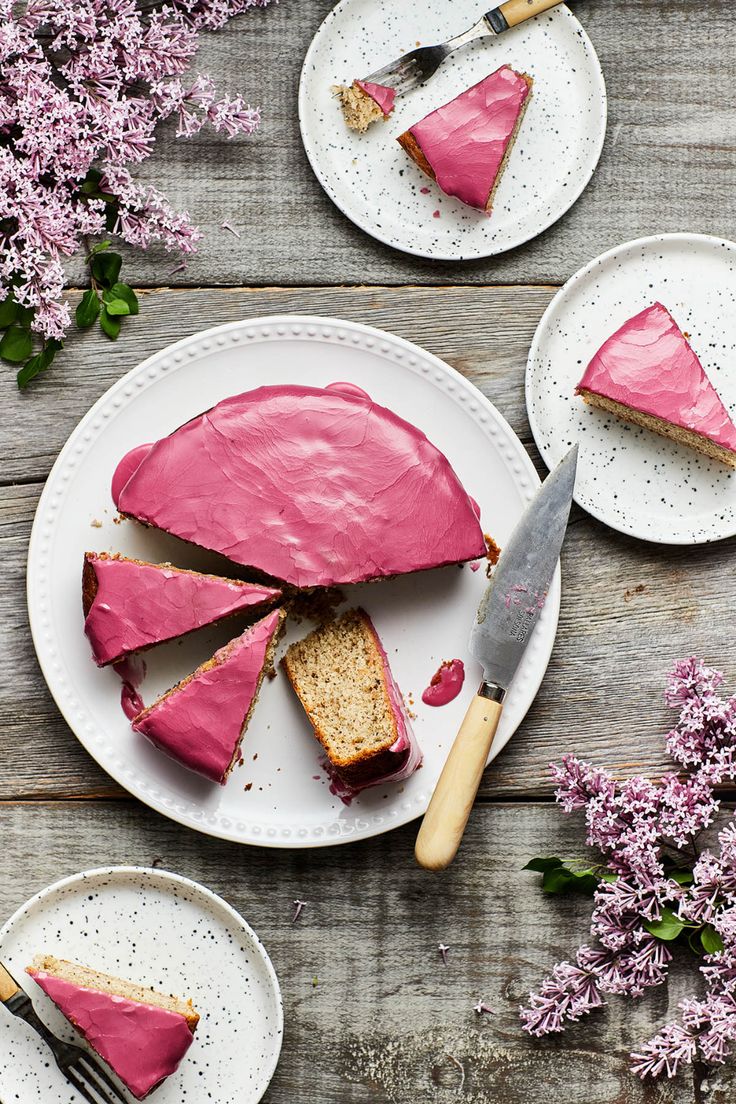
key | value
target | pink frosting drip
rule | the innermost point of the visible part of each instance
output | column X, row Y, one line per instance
column 132, row 671
column 465, row 141
column 200, row 724
column 380, row 94
column 405, row 751
column 649, row 365
column 137, row 605
column 311, row 486
column 445, row 684
column 141, row 1043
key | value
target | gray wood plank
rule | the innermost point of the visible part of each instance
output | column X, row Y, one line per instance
column 667, row 164
column 386, row 1015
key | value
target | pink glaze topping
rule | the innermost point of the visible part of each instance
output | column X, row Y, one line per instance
column 316, row 487
column 649, row 365
column 132, row 671
column 380, row 94
column 405, row 751
column 141, row 1043
column 200, row 723
column 446, row 683
column 465, row 141
column 125, row 469
column 137, row 605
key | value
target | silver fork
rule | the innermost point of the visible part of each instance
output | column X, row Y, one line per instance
column 416, row 67
column 81, row 1070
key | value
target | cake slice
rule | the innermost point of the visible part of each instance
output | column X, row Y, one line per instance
column 647, row 373
column 464, row 146
column 341, row 675
column 142, row 1035
column 364, row 102
column 202, row 720
column 130, row 605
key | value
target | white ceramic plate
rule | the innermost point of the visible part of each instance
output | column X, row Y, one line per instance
column 279, row 796
column 112, row 920
column 633, row 480
column 373, row 181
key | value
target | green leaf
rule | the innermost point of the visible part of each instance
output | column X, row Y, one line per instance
column 117, row 307
column 8, row 312
column 109, row 324
column 24, row 317
column 542, row 865
column 106, row 268
column 38, row 363
column 667, row 928
column 586, row 882
column 682, row 877
column 126, row 293
column 608, row 877
column 711, row 940
column 99, row 247
column 87, row 309
column 16, row 345
column 557, row 880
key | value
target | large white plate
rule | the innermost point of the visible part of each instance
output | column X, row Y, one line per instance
column 112, row 920
column 630, row 478
column 373, row 181
column 423, row 618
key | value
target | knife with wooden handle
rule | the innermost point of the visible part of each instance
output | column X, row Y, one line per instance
column 506, row 617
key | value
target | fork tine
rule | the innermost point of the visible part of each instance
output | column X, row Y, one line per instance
column 102, row 1076
column 76, row 1082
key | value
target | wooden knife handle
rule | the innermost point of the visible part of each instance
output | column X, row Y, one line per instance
column 8, row 987
column 517, row 11
column 445, row 819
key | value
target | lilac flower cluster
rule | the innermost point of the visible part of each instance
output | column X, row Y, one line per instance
column 641, row 828
column 83, row 85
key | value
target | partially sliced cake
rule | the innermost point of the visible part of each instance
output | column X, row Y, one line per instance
column 130, row 605
column 142, row 1035
column 313, row 486
column 364, row 102
column 202, row 720
column 341, row 675
column 464, row 146
column 647, row 373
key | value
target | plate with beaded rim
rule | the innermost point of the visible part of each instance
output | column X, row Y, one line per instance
column 628, row 477
column 372, row 180
column 111, row 919
column 279, row 796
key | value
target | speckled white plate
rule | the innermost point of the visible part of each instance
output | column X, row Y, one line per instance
column 632, row 479
column 375, row 183
column 279, row 796
column 112, row 920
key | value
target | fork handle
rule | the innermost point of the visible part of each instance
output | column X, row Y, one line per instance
column 514, row 12
column 8, row 986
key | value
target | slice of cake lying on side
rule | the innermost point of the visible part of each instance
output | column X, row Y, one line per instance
column 465, row 145
column 341, row 675
column 648, row 374
column 313, row 486
column 202, row 720
column 142, row 1035
column 364, row 102
column 130, row 605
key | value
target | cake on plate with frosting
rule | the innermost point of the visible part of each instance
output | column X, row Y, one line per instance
column 364, row 103
column 202, row 720
column 140, row 1034
column 648, row 373
column 130, row 605
column 342, row 677
column 465, row 145
column 311, row 486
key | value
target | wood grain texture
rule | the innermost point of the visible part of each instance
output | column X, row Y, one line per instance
column 669, row 135
column 385, row 1017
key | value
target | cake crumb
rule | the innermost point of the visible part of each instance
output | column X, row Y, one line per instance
column 493, row 552
column 96, row 523
column 118, row 519
column 358, row 108
column 248, row 786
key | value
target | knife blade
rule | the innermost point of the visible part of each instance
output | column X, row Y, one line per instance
column 508, row 612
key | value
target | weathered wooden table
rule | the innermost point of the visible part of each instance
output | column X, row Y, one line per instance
column 386, row 1018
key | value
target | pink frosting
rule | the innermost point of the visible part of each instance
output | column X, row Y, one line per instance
column 132, row 671
column 316, row 487
column 649, row 365
column 126, row 467
column 405, row 751
column 141, row 1043
column 445, row 684
column 137, row 605
column 200, row 723
column 380, row 94
column 466, row 140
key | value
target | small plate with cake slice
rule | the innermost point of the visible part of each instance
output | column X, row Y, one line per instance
column 635, row 358
column 486, row 155
column 197, row 1015
column 250, row 560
